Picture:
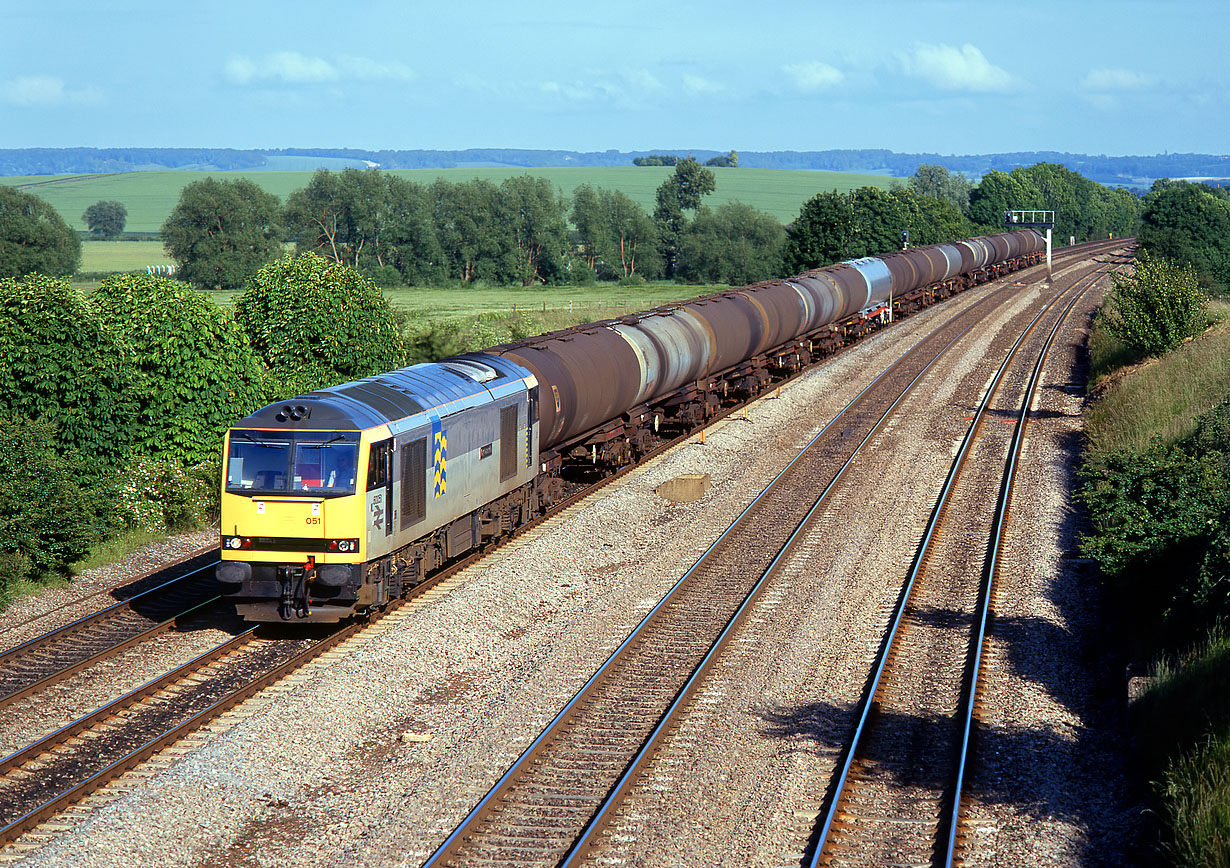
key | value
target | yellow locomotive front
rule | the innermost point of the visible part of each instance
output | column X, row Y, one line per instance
column 292, row 524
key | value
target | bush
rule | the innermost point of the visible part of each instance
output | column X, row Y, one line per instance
column 50, row 512
column 158, row 494
column 59, row 363
column 1147, row 506
column 193, row 370
column 383, row 276
column 315, row 323
column 1153, row 309
column 580, row 274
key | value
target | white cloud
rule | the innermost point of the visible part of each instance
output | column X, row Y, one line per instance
column 695, row 85
column 366, row 69
column 814, row 75
column 624, row 88
column 291, row 67
column 950, row 68
column 1106, row 80
column 46, row 90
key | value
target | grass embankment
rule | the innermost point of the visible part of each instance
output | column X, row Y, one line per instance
column 1162, row 398
column 1169, row 413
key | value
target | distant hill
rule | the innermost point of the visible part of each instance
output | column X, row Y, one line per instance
column 1121, row 171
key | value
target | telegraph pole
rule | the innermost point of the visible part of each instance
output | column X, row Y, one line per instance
column 1034, row 220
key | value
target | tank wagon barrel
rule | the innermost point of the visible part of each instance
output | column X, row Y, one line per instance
column 337, row 501
column 597, row 373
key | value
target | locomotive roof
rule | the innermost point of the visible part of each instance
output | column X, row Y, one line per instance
column 454, row 383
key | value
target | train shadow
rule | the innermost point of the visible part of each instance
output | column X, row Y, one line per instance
column 186, row 594
column 1110, row 834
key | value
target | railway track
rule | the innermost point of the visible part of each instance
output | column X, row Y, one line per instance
column 186, row 686
column 897, row 796
column 559, row 797
column 48, row 659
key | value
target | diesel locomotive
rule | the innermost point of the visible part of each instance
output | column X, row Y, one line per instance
column 337, row 501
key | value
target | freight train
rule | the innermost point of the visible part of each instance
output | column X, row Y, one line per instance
column 335, row 502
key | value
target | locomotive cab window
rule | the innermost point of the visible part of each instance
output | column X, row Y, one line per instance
column 261, row 462
column 379, row 465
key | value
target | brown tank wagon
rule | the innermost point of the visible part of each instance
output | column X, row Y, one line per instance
column 675, row 364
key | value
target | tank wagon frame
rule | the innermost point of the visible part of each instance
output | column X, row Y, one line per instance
column 337, row 501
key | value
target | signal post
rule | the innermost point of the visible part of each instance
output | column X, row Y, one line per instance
column 1034, row 220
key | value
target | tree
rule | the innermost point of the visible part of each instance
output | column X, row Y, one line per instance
column 1156, row 306
column 464, row 219
column 729, row 161
column 193, row 370
column 879, row 218
column 59, row 364
column 315, row 323
column 106, row 218
column 931, row 179
column 681, row 192
column 316, row 216
column 822, row 233
column 1188, row 223
column 656, row 160
column 998, row 192
column 615, row 235
column 534, row 216
column 343, row 216
column 410, row 236
column 47, row 519
column 34, row 238
column 221, row 232
column 734, row 244
column 931, row 220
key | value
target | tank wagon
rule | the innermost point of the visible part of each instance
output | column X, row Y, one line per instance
column 341, row 499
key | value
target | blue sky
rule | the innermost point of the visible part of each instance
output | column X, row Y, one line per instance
column 1098, row 77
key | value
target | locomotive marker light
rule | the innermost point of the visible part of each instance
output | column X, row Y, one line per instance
column 1035, row 220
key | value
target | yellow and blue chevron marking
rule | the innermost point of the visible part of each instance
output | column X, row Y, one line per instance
column 439, row 461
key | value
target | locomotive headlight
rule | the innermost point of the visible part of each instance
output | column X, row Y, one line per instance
column 233, row 542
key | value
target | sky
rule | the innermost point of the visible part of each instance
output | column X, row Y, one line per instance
column 1079, row 76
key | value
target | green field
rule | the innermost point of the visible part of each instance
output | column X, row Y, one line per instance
column 112, row 256
column 150, row 196
column 595, row 302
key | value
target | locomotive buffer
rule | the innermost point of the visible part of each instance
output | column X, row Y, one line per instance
column 1033, row 220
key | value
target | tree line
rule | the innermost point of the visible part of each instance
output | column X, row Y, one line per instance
column 398, row 232
column 525, row 232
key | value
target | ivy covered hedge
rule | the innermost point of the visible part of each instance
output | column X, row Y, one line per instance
column 60, row 364
column 315, row 323
column 191, row 369
column 113, row 406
